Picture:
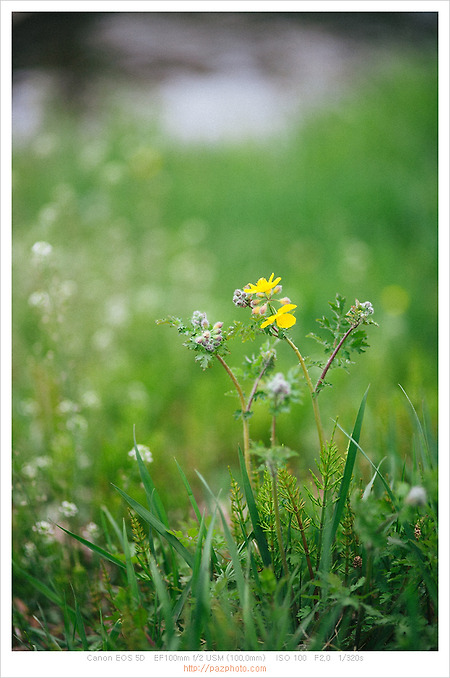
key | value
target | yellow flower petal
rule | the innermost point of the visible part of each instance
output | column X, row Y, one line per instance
column 262, row 286
column 285, row 321
column 285, row 308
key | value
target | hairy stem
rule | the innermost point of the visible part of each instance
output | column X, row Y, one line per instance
column 246, row 432
column 331, row 358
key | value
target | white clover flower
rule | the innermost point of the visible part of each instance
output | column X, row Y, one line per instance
column 41, row 250
column 29, row 548
column 68, row 509
column 144, row 451
column 417, row 496
column 42, row 462
column 90, row 399
column 40, row 299
column 77, row 424
column 90, row 531
column 29, row 470
column 45, row 529
column 67, row 407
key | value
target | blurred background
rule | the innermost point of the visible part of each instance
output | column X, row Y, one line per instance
column 161, row 160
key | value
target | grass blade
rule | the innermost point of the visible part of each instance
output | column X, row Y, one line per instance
column 190, row 493
column 250, row 638
column 158, row 526
column 151, row 493
column 253, row 511
column 93, row 547
column 166, row 606
column 423, row 443
column 331, row 529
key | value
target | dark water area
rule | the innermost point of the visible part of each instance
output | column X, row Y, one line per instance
column 206, row 75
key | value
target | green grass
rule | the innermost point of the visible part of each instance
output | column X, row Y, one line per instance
column 143, row 227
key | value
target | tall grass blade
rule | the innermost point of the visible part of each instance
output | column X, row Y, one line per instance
column 253, row 511
column 190, row 493
column 200, row 588
column 93, row 547
column 250, row 637
column 423, row 442
column 45, row 590
column 80, row 624
column 166, row 607
column 331, row 528
column 151, row 493
column 158, row 526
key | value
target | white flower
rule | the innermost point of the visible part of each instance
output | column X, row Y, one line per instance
column 40, row 300
column 29, row 548
column 144, row 452
column 90, row 531
column 45, row 529
column 29, row 470
column 68, row 509
column 417, row 496
column 41, row 250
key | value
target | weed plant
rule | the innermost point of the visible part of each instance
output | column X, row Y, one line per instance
column 330, row 566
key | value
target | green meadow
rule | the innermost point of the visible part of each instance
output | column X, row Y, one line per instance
column 142, row 227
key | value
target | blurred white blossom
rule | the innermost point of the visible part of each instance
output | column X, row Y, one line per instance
column 41, row 250
column 144, row 451
column 68, row 509
column 417, row 496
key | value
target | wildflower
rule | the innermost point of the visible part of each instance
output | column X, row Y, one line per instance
column 144, row 451
column 263, row 286
column 282, row 317
column 90, row 531
column 68, row 509
column 41, row 250
column 209, row 338
column 30, row 549
column 40, row 300
column 366, row 308
column 417, row 496
column 199, row 320
column 278, row 387
column 45, row 529
column 240, row 298
column 29, row 470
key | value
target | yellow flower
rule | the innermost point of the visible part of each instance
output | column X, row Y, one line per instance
column 263, row 286
column 282, row 317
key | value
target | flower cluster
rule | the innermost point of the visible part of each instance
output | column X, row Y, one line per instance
column 278, row 387
column 241, row 298
column 144, row 451
column 209, row 338
column 68, row 509
column 261, row 298
column 360, row 312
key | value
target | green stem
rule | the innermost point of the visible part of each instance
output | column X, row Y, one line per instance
column 245, row 425
column 315, row 404
column 273, row 431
